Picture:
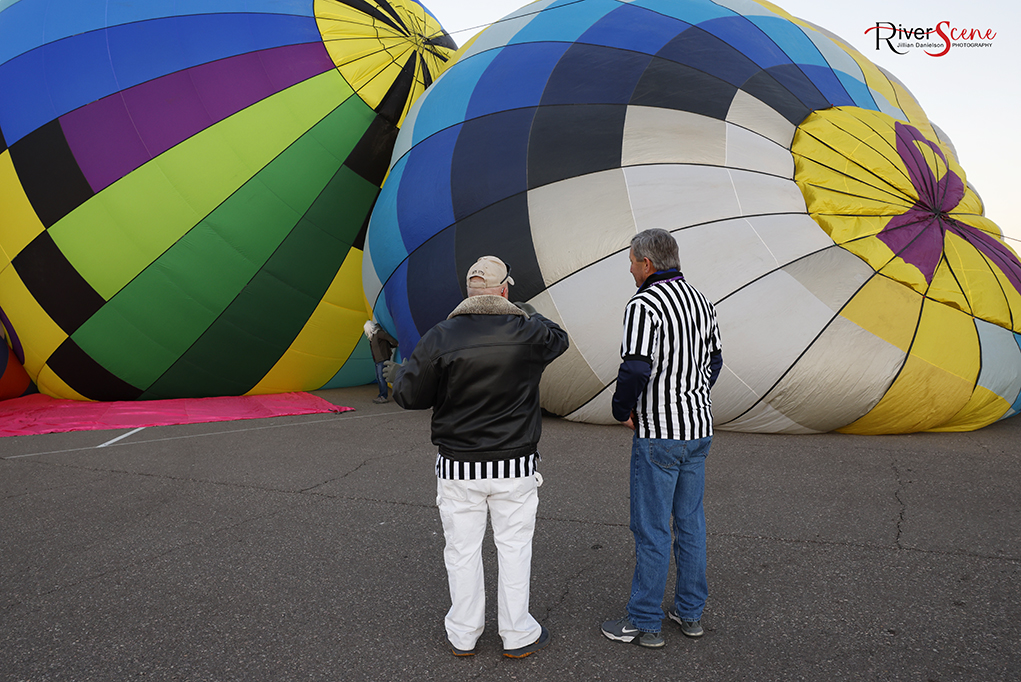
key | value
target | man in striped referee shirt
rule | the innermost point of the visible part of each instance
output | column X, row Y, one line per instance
column 479, row 371
column 671, row 356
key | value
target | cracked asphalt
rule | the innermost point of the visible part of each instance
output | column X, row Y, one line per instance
column 309, row 548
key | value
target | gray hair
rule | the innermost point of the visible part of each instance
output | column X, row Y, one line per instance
column 659, row 246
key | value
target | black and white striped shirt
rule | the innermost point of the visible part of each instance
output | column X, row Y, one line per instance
column 456, row 470
column 673, row 326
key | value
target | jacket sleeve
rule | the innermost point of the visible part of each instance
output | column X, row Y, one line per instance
column 640, row 339
column 556, row 338
column 416, row 383
column 715, row 365
column 632, row 378
column 386, row 337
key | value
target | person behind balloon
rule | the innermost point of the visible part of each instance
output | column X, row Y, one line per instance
column 382, row 346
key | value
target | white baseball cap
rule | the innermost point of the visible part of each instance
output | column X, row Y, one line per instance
column 493, row 271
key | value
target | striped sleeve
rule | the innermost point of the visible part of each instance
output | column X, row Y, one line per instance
column 640, row 332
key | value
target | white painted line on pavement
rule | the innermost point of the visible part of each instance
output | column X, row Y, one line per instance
column 111, row 442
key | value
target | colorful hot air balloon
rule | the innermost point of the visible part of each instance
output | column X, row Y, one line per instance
column 14, row 381
column 857, row 283
column 184, row 187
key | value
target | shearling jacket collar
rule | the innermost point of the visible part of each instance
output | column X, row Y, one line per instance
column 486, row 304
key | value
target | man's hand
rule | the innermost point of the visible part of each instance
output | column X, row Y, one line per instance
column 525, row 307
column 630, row 423
column 390, row 370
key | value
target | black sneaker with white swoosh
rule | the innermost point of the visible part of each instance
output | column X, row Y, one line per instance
column 623, row 630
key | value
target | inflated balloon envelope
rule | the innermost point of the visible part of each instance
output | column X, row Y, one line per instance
column 184, row 187
column 857, row 283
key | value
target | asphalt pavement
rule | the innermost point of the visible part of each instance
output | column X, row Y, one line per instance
column 309, row 548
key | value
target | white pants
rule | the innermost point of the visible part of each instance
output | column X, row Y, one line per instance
column 512, row 503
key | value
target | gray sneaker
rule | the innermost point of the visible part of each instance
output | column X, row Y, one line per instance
column 624, row 631
column 690, row 628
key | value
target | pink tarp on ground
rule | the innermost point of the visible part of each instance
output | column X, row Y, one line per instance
column 36, row 414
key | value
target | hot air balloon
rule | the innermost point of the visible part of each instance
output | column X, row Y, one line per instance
column 184, row 187
column 14, row 381
column 857, row 283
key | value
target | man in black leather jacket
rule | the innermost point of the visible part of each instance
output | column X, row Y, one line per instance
column 479, row 371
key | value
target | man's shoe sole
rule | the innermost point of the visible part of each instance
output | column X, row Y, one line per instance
column 623, row 638
column 537, row 645
column 658, row 645
column 631, row 639
column 677, row 619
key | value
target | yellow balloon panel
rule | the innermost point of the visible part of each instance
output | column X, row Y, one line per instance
column 887, row 309
column 947, row 338
column 937, row 380
column 19, row 223
column 984, row 408
column 905, row 273
column 851, row 232
column 846, row 195
column 977, row 282
column 24, row 312
column 836, row 150
column 946, row 288
column 970, row 211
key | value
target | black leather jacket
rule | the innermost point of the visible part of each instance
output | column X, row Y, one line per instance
column 479, row 370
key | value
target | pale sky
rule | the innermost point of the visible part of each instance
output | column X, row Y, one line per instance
column 972, row 94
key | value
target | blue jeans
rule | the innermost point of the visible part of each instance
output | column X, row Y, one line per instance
column 667, row 478
column 380, row 380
